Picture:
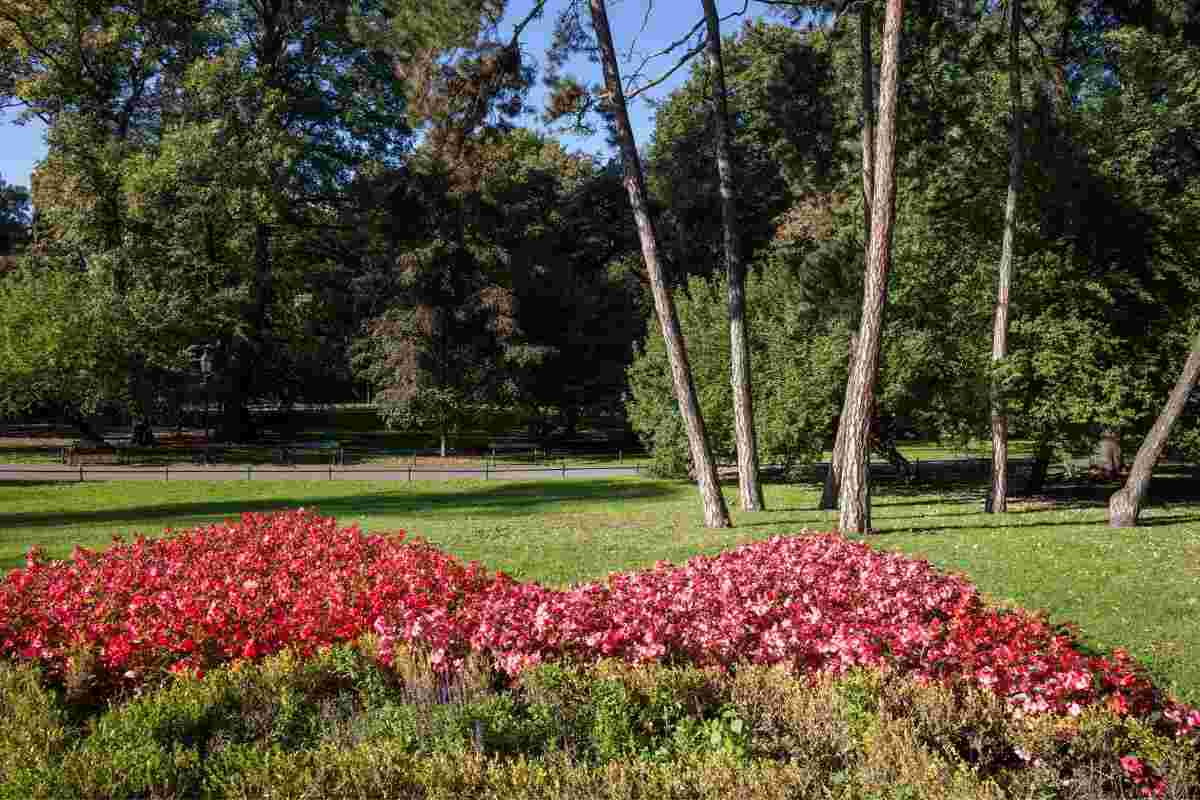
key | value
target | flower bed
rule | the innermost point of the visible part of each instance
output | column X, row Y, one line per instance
column 294, row 579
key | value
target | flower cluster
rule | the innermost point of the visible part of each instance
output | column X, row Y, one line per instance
column 294, row 579
column 205, row 596
column 818, row 602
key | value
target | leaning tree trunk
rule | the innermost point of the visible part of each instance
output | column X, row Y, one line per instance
column 833, row 478
column 716, row 515
column 860, row 388
column 750, row 489
column 1125, row 505
column 997, row 500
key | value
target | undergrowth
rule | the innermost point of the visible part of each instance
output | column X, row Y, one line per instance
column 339, row 724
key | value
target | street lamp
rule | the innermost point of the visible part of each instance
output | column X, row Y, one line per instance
column 206, row 373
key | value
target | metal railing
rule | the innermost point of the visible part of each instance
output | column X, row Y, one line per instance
column 486, row 471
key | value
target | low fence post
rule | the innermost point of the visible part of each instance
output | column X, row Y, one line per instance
column 249, row 475
column 167, row 472
column 564, row 469
column 410, row 473
column 81, row 472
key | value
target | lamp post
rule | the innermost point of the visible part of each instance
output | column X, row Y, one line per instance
column 206, row 373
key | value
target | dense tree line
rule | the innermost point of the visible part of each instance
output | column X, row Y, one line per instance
column 969, row 220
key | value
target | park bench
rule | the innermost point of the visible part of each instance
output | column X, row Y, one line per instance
column 510, row 448
column 286, row 453
column 77, row 454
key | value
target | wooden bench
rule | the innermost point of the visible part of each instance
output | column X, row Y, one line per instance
column 75, row 455
column 286, row 453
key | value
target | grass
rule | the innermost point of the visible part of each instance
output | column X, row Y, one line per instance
column 1138, row 588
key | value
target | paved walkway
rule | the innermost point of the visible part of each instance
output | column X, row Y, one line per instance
column 234, row 472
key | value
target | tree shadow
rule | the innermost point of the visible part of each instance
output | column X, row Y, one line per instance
column 1171, row 484
column 498, row 500
column 932, row 529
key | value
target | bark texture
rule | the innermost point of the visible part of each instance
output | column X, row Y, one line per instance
column 833, row 478
column 860, row 388
column 997, row 500
column 750, row 494
column 1109, row 451
column 1125, row 505
column 716, row 515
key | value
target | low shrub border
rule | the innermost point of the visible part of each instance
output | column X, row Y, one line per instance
column 103, row 623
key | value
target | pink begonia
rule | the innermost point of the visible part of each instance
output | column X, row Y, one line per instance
column 816, row 602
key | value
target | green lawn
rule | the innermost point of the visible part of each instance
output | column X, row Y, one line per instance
column 1138, row 589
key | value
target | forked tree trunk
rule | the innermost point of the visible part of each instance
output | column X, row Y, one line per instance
column 860, row 388
column 750, row 492
column 833, row 478
column 716, row 515
column 1125, row 505
column 997, row 500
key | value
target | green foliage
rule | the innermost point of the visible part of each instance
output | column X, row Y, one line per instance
column 339, row 726
column 16, row 220
column 58, row 341
column 796, row 367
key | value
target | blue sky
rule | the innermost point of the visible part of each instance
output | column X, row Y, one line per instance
column 21, row 146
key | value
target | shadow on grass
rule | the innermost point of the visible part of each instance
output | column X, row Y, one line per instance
column 1032, row 524
column 1176, row 484
column 499, row 499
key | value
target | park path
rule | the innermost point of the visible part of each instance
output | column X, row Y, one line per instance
column 957, row 467
column 234, row 472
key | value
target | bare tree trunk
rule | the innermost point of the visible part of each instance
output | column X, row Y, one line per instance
column 750, row 492
column 1109, row 451
column 860, row 388
column 997, row 500
column 716, row 515
column 868, row 115
column 833, row 478
column 1125, row 505
column 1036, row 482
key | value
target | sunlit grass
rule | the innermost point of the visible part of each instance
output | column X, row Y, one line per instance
column 1137, row 588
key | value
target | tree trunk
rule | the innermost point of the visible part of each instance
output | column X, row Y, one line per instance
column 1125, row 505
column 235, row 424
column 868, row 117
column 1041, row 468
column 1109, row 452
column 860, row 388
column 997, row 500
column 90, row 435
column 833, row 478
column 716, row 515
column 750, row 490
column 443, row 450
